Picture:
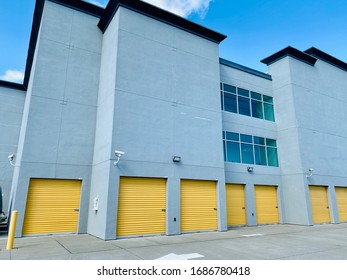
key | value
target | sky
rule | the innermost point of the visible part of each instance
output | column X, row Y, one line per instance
column 255, row 29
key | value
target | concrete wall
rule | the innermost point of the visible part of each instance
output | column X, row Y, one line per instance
column 102, row 176
column 310, row 102
column 296, row 202
column 236, row 173
column 320, row 99
column 11, row 113
column 166, row 102
column 320, row 102
column 58, row 128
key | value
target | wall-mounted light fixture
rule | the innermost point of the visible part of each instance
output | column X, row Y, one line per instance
column 176, row 159
column 250, row 169
column 118, row 154
column 309, row 173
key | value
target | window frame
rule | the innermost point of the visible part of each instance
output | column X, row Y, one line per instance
column 266, row 144
column 252, row 98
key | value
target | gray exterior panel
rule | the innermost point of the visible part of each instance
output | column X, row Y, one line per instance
column 151, row 89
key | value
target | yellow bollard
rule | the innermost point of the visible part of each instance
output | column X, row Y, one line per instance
column 12, row 230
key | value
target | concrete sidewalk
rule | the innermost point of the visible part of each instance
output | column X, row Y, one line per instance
column 270, row 242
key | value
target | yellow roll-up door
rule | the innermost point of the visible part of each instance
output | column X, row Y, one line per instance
column 141, row 206
column 236, row 208
column 341, row 197
column 198, row 205
column 52, row 206
column 266, row 204
column 319, row 204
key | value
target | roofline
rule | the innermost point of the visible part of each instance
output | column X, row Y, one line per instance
column 81, row 6
column 33, row 40
column 160, row 15
column 12, row 85
column 292, row 52
column 105, row 17
column 245, row 69
column 327, row 58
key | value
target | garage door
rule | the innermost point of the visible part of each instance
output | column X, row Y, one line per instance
column 266, row 204
column 341, row 197
column 235, row 199
column 141, row 206
column 319, row 204
column 198, row 205
column 52, row 206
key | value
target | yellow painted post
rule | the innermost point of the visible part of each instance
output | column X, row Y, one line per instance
column 12, row 230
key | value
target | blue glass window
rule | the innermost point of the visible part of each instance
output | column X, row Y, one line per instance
column 248, row 149
column 246, row 138
column 244, row 106
column 257, row 109
column 260, row 155
column 272, row 156
column 269, row 112
column 247, row 153
column 233, row 152
column 230, row 104
column 247, row 103
column 232, row 136
column 229, row 88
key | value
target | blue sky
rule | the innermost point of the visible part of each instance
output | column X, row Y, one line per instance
column 255, row 28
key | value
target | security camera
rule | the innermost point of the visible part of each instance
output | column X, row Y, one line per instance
column 11, row 157
column 118, row 153
column 310, row 173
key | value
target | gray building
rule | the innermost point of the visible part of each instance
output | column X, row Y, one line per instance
column 128, row 124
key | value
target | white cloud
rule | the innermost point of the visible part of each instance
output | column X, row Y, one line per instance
column 183, row 8
column 97, row 3
column 13, row 76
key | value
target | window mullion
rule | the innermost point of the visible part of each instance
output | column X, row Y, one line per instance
column 253, row 145
column 266, row 157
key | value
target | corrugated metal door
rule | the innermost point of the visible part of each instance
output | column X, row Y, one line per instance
column 341, row 197
column 236, row 208
column 141, row 206
column 198, row 205
column 266, row 204
column 52, row 206
column 319, row 204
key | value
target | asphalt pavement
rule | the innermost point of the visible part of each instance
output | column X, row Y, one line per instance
column 268, row 242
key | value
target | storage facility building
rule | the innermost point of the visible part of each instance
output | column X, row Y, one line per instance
column 128, row 123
